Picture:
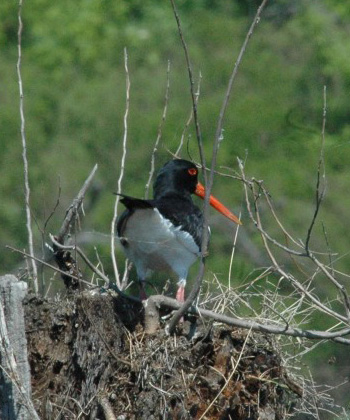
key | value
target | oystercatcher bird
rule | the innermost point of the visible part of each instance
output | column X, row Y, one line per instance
column 164, row 234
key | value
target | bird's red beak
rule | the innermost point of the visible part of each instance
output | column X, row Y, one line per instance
column 200, row 191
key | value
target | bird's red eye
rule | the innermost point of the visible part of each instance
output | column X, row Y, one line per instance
column 192, row 171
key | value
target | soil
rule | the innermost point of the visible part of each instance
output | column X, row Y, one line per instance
column 91, row 359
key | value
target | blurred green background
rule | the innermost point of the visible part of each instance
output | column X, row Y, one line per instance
column 74, row 86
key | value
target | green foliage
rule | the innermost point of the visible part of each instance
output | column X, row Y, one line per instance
column 74, row 86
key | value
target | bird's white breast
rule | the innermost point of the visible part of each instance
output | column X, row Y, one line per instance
column 154, row 243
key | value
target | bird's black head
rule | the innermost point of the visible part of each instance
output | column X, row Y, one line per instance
column 177, row 176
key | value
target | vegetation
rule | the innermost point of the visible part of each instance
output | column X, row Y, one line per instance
column 74, row 86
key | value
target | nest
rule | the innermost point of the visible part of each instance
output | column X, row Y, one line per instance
column 91, row 359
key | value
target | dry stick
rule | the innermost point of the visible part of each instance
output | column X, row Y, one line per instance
column 197, row 94
column 321, row 166
column 286, row 233
column 166, row 302
column 159, row 135
column 250, row 184
column 195, row 290
column 73, row 209
column 307, row 253
column 209, row 182
column 265, row 239
column 121, row 175
column 235, row 236
column 46, row 264
column 24, row 151
column 193, row 94
column 319, row 199
column 92, row 267
column 339, row 286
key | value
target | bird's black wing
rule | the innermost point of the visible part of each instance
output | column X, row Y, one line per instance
column 183, row 214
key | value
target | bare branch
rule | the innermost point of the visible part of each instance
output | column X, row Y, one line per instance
column 121, row 175
column 219, row 127
column 159, row 135
column 250, row 184
column 93, row 268
column 188, row 122
column 267, row 238
column 24, row 151
column 46, row 264
column 193, row 94
column 163, row 301
column 338, row 285
column 208, row 182
column 320, row 189
column 74, row 208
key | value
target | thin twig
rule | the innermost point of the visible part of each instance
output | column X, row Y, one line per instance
column 208, row 182
column 195, row 289
column 250, row 184
column 184, row 131
column 93, row 268
column 265, row 238
column 219, row 126
column 235, row 236
column 321, row 167
column 193, row 94
column 121, row 174
column 46, row 264
column 24, row 152
column 159, row 135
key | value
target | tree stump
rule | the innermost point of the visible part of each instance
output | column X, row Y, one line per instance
column 15, row 382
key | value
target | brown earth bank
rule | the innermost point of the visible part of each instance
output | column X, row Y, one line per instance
column 90, row 359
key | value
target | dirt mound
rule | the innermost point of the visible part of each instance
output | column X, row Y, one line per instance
column 90, row 358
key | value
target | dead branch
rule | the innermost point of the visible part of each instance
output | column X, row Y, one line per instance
column 188, row 122
column 193, row 94
column 121, row 174
column 46, row 264
column 74, row 208
column 163, row 301
column 219, row 126
column 24, row 151
column 319, row 193
column 267, row 238
column 64, row 259
column 159, row 134
column 218, row 137
column 93, row 268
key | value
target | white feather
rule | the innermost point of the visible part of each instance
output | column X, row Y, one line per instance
column 154, row 243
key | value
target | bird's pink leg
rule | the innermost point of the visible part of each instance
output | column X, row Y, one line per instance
column 180, row 294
